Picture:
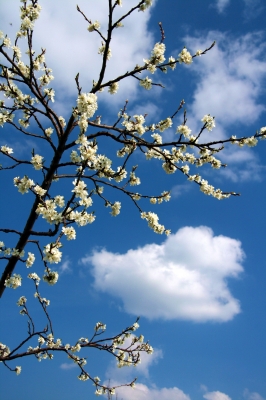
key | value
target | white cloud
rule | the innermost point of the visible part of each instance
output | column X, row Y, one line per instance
column 183, row 278
column 179, row 190
column 65, row 267
column 216, row 396
column 221, row 5
column 143, row 392
column 70, row 48
column 252, row 395
column 67, row 366
column 229, row 85
column 254, row 172
column 230, row 78
column 252, row 8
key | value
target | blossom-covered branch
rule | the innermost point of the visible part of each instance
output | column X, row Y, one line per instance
column 75, row 149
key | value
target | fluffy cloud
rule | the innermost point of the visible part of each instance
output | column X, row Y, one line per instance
column 229, row 85
column 143, row 392
column 229, row 78
column 216, row 396
column 183, row 278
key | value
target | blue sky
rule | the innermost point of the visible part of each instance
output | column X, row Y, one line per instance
column 200, row 292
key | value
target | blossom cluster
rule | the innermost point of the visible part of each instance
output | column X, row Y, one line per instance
column 134, row 126
column 5, row 116
column 29, row 14
column 11, row 251
column 145, row 5
column 81, row 192
column 157, row 57
column 30, row 260
column 69, row 232
column 34, row 277
column 37, row 161
column 14, row 281
column 4, row 350
column 94, row 161
column 23, row 184
column 47, row 209
column 50, row 276
column 102, row 50
column 6, row 149
column 153, row 223
column 250, row 142
column 113, row 88
column 52, row 254
column 115, row 208
column 146, row 83
column 21, row 301
column 93, row 26
column 209, row 122
column 86, row 107
column 184, row 130
column 185, row 56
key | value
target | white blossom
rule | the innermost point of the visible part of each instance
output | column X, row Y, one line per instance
column 102, row 50
column 115, row 209
column 14, row 281
column 145, row 5
column 172, row 60
column 113, row 88
column 18, row 370
column 37, row 162
column 153, row 223
column 95, row 25
column 199, row 52
column 185, row 57
column 52, row 254
column 99, row 326
column 30, row 260
column 50, row 94
column 34, row 277
column 49, row 131
column 69, row 232
column 165, row 124
column 146, row 83
column 184, row 130
column 6, row 150
column 209, row 121
column 62, row 121
column 51, row 277
column 23, row 184
column 133, row 179
column 4, row 350
column 40, row 191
